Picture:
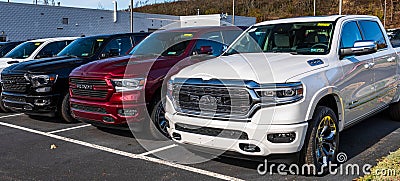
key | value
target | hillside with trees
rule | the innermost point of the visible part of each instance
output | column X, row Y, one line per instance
column 274, row 9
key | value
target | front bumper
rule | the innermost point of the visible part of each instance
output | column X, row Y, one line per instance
column 256, row 135
column 45, row 105
column 106, row 114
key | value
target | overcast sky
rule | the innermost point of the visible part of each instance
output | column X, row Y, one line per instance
column 94, row 4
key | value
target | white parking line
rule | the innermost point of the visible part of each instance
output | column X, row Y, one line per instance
column 12, row 115
column 158, row 150
column 119, row 152
column 67, row 129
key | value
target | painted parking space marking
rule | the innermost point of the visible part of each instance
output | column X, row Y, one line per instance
column 67, row 129
column 12, row 115
column 158, row 150
column 119, row 152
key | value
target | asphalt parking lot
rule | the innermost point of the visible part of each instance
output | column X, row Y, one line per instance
column 86, row 152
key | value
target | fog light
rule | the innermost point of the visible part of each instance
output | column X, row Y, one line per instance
column 42, row 102
column 127, row 112
column 28, row 108
column 43, row 89
column 281, row 137
column 176, row 136
column 108, row 119
column 249, row 147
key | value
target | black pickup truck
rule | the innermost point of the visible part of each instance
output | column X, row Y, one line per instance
column 40, row 87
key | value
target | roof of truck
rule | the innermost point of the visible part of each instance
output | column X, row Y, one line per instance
column 312, row 18
column 204, row 28
column 53, row 39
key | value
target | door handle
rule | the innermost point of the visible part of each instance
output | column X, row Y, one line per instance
column 391, row 59
column 369, row 65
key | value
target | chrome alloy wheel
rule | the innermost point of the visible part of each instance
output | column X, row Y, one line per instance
column 325, row 141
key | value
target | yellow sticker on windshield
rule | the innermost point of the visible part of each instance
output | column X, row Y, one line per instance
column 187, row 35
column 37, row 44
column 324, row 24
column 100, row 39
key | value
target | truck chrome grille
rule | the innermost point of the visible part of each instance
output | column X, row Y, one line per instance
column 101, row 94
column 85, row 88
column 14, row 83
column 14, row 78
column 14, row 87
column 88, row 82
column 214, row 101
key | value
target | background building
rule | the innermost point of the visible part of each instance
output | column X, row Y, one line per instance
column 28, row 21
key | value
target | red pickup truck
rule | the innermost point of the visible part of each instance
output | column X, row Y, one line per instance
column 126, row 91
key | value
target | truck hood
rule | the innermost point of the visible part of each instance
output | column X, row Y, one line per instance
column 46, row 65
column 259, row 67
column 127, row 66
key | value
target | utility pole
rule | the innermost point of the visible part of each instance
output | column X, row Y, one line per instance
column 233, row 12
column 131, row 16
column 314, row 7
column 340, row 7
column 384, row 16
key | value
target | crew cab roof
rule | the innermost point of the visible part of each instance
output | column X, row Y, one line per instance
column 312, row 19
column 117, row 35
column 205, row 28
column 53, row 39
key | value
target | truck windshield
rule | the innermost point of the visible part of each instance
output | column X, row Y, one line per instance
column 82, row 47
column 23, row 51
column 297, row 38
column 164, row 44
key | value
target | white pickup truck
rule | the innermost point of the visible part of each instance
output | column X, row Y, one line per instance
column 35, row 49
column 287, row 87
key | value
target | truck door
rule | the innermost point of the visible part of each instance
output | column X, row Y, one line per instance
column 384, row 65
column 357, row 83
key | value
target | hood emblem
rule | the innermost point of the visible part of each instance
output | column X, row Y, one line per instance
column 315, row 62
column 208, row 103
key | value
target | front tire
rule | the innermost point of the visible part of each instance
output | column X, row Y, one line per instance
column 322, row 141
column 66, row 112
column 158, row 124
column 394, row 111
column 2, row 107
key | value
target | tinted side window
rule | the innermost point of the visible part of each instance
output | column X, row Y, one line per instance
column 350, row 34
column 208, row 47
column 117, row 47
column 372, row 31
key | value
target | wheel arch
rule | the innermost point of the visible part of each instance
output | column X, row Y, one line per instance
column 331, row 98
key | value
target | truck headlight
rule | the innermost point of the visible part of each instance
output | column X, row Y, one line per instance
column 122, row 85
column 41, row 80
column 278, row 94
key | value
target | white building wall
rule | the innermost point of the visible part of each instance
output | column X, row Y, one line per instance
column 28, row 21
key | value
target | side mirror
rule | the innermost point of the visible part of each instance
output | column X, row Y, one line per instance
column 359, row 48
column 206, row 50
